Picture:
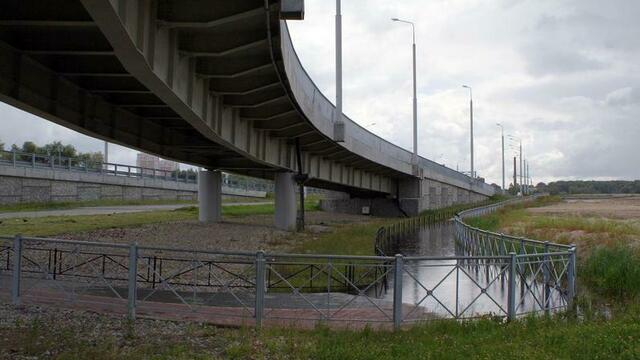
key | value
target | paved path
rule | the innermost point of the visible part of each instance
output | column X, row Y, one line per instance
column 104, row 210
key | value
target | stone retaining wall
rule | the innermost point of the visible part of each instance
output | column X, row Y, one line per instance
column 25, row 185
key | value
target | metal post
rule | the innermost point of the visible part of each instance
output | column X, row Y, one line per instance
column 260, row 287
column 471, row 126
column 14, row 158
column 397, row 291
column 503, row 180
column 133, row 274
column 545, row 274
column 511, row 309
column 571, row 278
column 521, row 178
column 415, row 102
column 17, row 268
column 338, row 127
column 52, row 159
column 33, row 160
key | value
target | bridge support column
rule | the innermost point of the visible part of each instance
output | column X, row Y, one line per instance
column 285, row 193
column 410, row 196
column 209, row 196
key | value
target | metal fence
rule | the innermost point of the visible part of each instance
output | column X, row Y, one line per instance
column 21, row 159
column 542, row 275
column 493, row 274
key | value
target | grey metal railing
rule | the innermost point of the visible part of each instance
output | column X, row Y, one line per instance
column 55, row 162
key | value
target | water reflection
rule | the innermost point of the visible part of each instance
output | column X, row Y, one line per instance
column 462, row 288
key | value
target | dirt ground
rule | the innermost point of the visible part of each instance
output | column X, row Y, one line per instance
column 612, row 207
column 246, row 233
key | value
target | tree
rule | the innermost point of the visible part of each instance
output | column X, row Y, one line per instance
column 29, row 147
column 57, row 148
column 1, row 145
column 91, row 159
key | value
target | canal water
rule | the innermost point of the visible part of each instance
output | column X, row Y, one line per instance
column 459, row 288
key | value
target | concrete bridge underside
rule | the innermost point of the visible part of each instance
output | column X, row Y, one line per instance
column 212, row 83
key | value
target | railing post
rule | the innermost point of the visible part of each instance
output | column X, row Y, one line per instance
column 260, row 287
column 133, row 275
column 571, row 277
column 17, row 269
column 13, row 153
column 546, row 275
column 511, row 308
column 52, row 159
column 397, row 291
column 33, row 160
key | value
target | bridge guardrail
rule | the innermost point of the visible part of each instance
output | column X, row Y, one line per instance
column 54, row 162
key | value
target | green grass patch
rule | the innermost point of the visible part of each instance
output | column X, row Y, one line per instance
column 64, row 205
column 528, row 338
column 613, row 272
column 348, row 239
column 539, row 338
column 54, row 225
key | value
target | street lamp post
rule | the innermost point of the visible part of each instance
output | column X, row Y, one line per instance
column 415, row 97
column 502, row 137
column 338, row 127
column 471, row 124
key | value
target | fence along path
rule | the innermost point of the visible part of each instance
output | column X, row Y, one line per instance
column 242, row 288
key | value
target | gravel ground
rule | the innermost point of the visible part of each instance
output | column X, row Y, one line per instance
column 246, row 233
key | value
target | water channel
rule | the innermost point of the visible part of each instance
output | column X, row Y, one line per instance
column 462, row 288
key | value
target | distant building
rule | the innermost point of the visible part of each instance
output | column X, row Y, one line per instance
column 147, row 161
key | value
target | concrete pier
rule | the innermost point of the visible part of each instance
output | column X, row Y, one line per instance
column 209, row 196
column 285, row 194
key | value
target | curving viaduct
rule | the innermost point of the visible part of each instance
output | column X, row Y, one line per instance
column 214, row 83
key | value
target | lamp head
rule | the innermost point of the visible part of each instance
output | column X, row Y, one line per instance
column 395, row 19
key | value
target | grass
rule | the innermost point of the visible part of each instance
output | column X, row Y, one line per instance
column 613, row 272
column 55, row 225
column 529, row 338
column 347, row 239
column 64, row 205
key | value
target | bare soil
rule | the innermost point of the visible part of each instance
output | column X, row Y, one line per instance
column 611, row 207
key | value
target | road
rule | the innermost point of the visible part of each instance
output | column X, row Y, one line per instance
column 104, row 210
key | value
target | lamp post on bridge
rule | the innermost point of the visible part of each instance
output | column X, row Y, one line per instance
column 338, row 124
column 414, row 158
column 471, row 125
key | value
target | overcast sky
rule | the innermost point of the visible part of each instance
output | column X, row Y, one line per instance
column 563, row 75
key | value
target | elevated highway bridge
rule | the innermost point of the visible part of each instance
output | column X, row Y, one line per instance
column 213, row 83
